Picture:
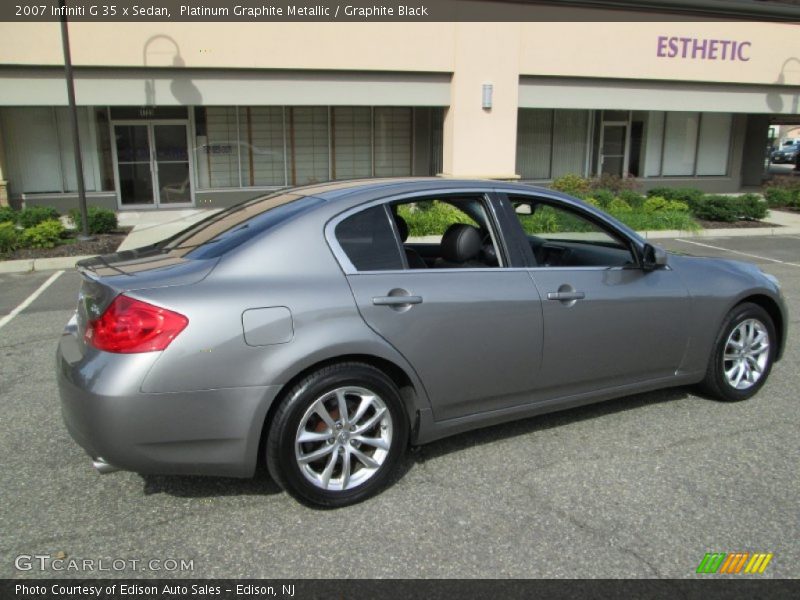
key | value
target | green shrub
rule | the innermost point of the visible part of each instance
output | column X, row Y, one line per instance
column 717, row 208
column 613, row 183
column 603, row 198
column 751, row 207
column 633, row 199
column 659, row 204
column 431, row 218
column 33, row 215
column 618, row 205
column 44, row 235
column 8, row 215
column 9, row 237
column 730, row 208
column 666, row 219
column 783, row 192
column 544, row 220
column 778, row 197
column 572, row 184
column 689, row 196
column 101, row 220
column 593, row 201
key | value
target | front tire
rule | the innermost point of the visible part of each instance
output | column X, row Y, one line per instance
column 743, row 354
column 338, row 435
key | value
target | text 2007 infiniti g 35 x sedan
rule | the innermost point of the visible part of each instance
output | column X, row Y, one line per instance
column 318, row 329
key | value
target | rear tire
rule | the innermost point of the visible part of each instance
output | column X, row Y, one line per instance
column 338, row 435
column 743, row 354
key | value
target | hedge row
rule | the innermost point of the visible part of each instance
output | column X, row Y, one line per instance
column 715, row 207
column 46, row 234
column 783, row 192
column 101, row 220
column 617, row 195
column 40, row 226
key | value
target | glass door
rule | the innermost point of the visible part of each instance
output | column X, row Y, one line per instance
column 171, row 163
column 614, row 149
column 134, row 165
column 153, row 164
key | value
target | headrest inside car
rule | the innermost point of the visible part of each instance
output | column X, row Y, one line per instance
column 460, row 243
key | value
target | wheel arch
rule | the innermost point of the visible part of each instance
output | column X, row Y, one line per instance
column 409, row 393
column 776, row 314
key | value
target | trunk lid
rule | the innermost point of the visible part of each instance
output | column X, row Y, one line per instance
column 107, row 276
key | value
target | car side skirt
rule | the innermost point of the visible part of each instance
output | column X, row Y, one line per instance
column 430, row 430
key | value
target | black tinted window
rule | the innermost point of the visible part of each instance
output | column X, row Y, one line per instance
column 368, row 240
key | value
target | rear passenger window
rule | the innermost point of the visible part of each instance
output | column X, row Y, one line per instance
column 368, row 240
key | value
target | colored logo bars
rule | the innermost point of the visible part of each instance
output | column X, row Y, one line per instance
column 734, row 562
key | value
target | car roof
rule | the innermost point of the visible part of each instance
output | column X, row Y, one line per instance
column 365, row 189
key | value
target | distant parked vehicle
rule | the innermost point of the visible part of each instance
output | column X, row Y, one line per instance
column 786, row 154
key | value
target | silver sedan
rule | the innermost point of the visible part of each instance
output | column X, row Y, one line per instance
column 323, row 330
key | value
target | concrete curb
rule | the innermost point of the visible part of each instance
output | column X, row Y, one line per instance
column 722, row 232
column 39, row 264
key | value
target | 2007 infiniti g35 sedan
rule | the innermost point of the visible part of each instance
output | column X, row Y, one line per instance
column 319, row 330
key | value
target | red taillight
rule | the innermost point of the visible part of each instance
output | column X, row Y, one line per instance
column 129, row 325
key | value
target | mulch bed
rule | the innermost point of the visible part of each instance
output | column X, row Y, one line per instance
column 734, row 225
column 101, row 244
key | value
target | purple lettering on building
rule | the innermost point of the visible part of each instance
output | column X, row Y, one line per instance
column 702, row 48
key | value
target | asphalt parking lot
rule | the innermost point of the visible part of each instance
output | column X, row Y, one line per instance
column 637, row 487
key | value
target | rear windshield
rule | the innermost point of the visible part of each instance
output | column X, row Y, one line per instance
column 224, row 231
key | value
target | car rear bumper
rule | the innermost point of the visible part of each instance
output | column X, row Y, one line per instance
column 206, row 432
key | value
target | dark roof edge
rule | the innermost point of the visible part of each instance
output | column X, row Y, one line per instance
column 757, row 10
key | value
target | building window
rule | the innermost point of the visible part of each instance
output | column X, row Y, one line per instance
column 261, row 145
column 551, row 143
column 715, row 141
column 43, row 160
column 392, row 134
column 351, row 142
column 680, row 143
column 307, row 132
column 217, row 147
column 687, row 144
column 534, row 128
column 569, row 142
column 275, row 146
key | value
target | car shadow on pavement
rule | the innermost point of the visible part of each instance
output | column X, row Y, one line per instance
column 191, row 486
column 196, row 486
column 533, row 424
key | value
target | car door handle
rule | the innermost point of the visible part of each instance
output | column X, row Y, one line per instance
column 396, row 300
column 565, row 296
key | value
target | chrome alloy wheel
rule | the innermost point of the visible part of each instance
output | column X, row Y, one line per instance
column 343, row 438
column 746, row 354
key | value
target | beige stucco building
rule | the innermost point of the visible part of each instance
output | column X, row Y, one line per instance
column 204, row 114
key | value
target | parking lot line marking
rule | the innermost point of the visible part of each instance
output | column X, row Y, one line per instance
column 29, row 300
column 775, row 260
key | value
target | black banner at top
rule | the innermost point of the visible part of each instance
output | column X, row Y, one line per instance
column 260, row 11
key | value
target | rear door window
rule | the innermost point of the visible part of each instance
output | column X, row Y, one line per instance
column 368, row 240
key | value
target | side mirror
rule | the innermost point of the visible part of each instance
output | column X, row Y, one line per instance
column 523, row 209
column 653, row 257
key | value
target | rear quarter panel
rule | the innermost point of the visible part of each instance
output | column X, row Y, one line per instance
column 289, row 267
